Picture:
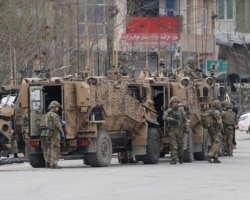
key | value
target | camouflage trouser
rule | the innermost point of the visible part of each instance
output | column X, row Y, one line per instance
column 229, row 140
column 51, row 148
column 215, row 138
column 45, row 146
column 54, row 152
column 126, row 155
column 176, row 142
column 14, row 148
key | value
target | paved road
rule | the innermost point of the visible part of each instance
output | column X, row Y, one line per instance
column 229, row 180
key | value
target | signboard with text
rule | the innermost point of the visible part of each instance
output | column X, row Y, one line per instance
column 216, row 68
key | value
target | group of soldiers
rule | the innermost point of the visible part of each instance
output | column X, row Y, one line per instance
column 221, row 130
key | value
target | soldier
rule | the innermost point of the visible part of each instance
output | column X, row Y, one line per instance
column 176, row 119
column 229, row 119
column 162, row 68
column 50, row 140
column 190, row 69
column 14, row 146
column 214, row 132
column 213, row 71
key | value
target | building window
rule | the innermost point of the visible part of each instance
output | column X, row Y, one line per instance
column 142, row 8
column 225, row 9
column 170, row 7
column 92, row 17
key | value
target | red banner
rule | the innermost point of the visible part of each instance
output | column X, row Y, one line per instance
column 152, row 25
column 150, row 34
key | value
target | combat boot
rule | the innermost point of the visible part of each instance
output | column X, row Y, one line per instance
column 56, row 167
column 216, row 160
column 209, row 159
column 173, row 162
column 131, row 160
column 180, row 160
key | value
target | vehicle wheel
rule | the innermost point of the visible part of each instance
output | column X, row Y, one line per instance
column 153, row 147
column 36, row 160
column 203, row 154
column 122, row 159
column 188, row 152
column 103, row 154
column 85, row 159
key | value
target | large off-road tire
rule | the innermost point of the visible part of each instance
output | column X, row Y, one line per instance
column 86, row 159
column 203, row 154
column 103, row 154
column 188, row 152
column 36, row 160
column 153, row 147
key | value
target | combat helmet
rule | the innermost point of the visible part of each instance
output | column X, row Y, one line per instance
column 54, row 104
column 173, row 99
column 191, row 62
column 217, row 104
column 229, row 105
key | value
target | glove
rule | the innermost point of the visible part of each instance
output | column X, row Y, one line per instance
column 62, row 135
column 63, row 123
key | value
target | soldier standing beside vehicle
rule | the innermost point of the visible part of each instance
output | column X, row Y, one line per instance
column 229, row 119
column 176, row 121
column 50, row 139
column 215, row 132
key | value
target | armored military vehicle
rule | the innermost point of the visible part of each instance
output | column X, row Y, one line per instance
column 194, row 96
column 10, row 121
column 104, row 115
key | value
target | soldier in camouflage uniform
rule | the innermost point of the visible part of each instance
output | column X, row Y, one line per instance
column 189, row 71
column 176, row 120
column 229, row 119
column 50, row 140
column 215, row 132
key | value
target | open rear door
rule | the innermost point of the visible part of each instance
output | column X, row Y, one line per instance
column 36, row 108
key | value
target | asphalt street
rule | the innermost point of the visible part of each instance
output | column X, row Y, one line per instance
column 197, row 180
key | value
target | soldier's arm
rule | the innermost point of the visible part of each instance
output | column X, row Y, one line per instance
column 167, row 117
column 57, row 123
column 217, row 115
column 184, row 115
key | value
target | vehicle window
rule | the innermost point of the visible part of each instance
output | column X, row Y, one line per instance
column 8, row 100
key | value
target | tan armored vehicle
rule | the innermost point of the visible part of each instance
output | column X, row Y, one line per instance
column 194, row 96
column 10, row 120
column 104, row 115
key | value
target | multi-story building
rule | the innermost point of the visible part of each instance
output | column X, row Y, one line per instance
column 232, row 33
column 169, row 28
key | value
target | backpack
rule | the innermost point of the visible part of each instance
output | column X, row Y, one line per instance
column 206, row 119
column 47, row 122
column 229, row 118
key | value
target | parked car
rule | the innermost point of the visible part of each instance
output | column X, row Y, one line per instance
column 244, row 122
